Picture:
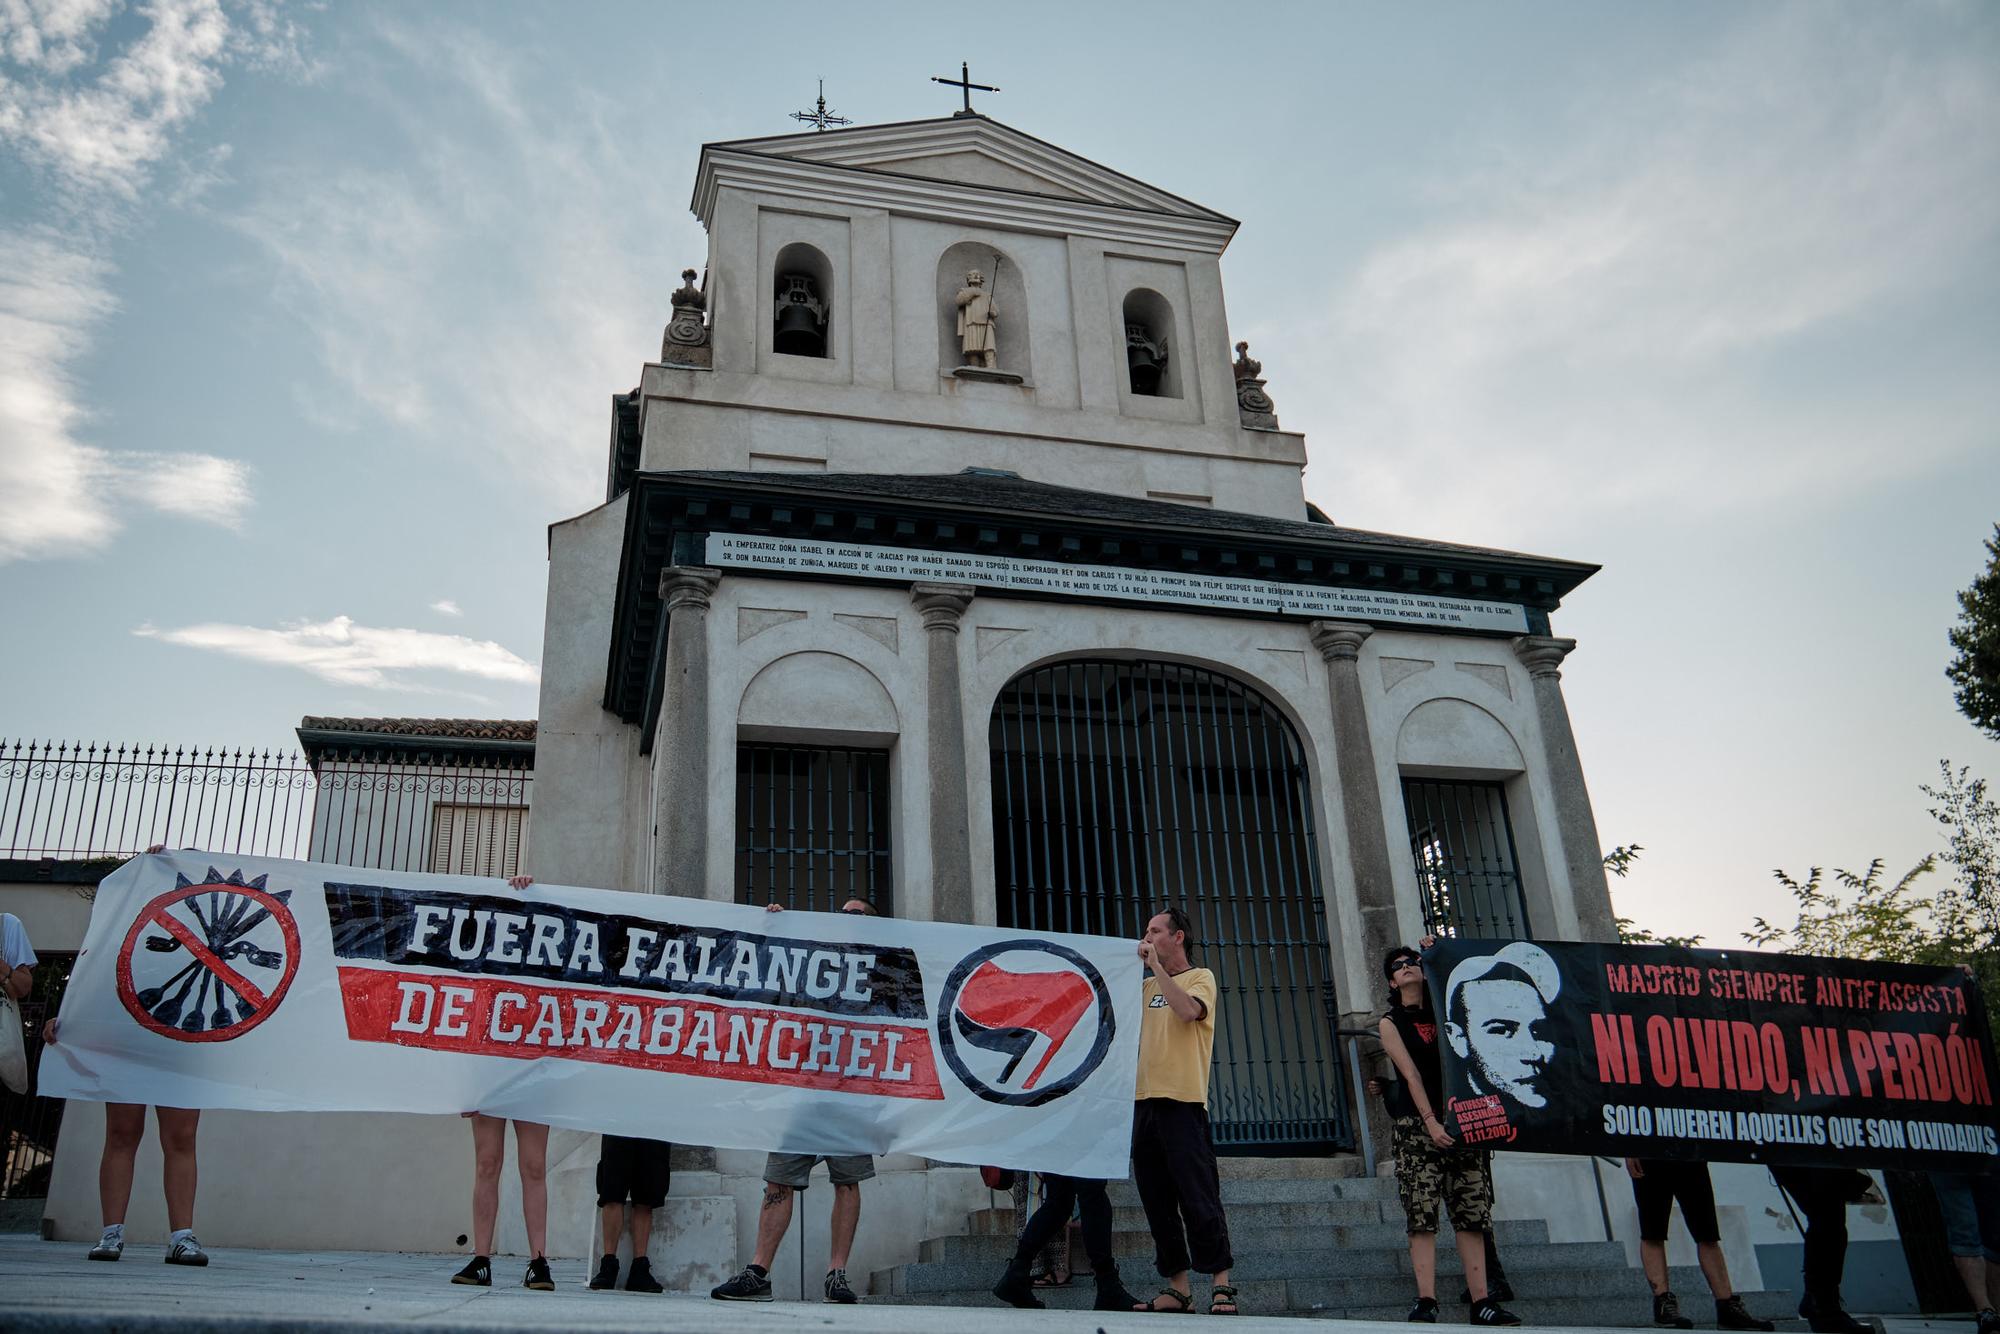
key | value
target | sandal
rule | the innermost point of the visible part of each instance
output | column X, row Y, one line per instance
column 1183, row 1303
column 1222, row 1300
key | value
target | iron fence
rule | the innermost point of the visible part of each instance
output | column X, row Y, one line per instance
column 1462, row 843
column 356, row 805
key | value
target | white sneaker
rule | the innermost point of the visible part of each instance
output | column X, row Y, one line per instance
column 183, row 1249
column 109, row 1246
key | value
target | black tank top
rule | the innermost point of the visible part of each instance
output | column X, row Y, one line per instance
column 1417, row 1026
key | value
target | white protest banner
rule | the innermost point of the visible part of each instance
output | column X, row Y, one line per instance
column 221, row 981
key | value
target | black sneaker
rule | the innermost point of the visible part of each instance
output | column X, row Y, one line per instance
column 1667, row 1312
column 1425, row 1312
column 1490, row 1312
column 478, row 1272
column 606, row 1277
column 1831, row 1320
column 752, row 1285
column 1730, row 1313
column 641, row 1279
column 538, row 1277
column 1499, row 1289
column 1989, row 1319
column 837, row 1289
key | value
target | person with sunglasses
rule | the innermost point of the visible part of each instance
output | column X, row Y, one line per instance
column 784, row 1175
column 1432, row 1169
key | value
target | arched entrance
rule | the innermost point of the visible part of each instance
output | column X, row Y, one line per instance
column 1120, row 787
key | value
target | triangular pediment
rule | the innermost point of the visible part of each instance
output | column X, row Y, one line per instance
column 975, row 151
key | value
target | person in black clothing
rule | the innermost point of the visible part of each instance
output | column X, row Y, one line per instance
column 1822, row 1195
column 1431, row 1167
column 1066, row 1193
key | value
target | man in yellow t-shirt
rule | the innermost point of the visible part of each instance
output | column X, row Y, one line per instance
column 1173, row 1158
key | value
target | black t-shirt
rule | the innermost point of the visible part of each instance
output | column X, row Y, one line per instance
column 1417, row 1026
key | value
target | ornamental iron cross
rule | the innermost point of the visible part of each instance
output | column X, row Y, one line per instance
column 819, row 116
column 964, row 81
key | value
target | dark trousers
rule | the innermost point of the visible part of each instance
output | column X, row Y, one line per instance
column 1061, row 1195
column 1173, row 1165
column 1822, row 1195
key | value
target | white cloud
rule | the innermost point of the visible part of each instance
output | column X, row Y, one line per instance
column 1597, row 319
column 59, row 496
column 446, row 607
column 338, row 650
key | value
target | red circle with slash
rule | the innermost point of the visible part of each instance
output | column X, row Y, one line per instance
column 264, row 1002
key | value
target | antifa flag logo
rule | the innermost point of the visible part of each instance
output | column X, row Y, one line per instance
column 1024, row 1022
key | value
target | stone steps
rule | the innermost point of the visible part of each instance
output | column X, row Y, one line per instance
column 1374, row 1248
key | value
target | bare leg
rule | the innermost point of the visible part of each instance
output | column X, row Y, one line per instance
column 1472, row 1255
column 1653, row 1259
column 531, row 1151
column 1972, row 1272
column 772, row 1220
column 177, row 1135
column 614, row 1220
column 642, row 1230
column 1424, row 1262
column 846, row 1217
column 124, row 1127
column 1714, row 1268
column 489, row 1150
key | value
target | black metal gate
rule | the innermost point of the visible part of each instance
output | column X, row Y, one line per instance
column 812, row 826
column 1122, row 787
column 1463, row 846
column 29, row 1123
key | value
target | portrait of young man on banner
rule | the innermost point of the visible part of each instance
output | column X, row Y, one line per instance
column 1656, row 1051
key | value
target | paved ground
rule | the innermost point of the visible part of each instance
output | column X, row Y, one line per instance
column 49, row 1286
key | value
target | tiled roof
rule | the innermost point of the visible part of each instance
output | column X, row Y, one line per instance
column 455, row 729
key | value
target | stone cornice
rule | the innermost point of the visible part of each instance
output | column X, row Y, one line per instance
column 1339, row 641
column 1543, row 655
column 941, row 605
column 949, row 201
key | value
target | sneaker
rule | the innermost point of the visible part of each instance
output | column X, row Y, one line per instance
column 1833, row 1320
column 183, row 1249
column 111, row 1245
column 1730, row 1313
column 1499, row 1289
column 837, row 1289
column 641, row 1278
column 538, row 1277
column 1989, row 1321
column 1667, row 1312
column 1425, row 1312
column 606, row 1276
column 1490, row 1312
column 478, row 1273
column 752, row 1285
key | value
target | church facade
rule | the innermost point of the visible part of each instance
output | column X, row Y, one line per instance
column 949, row 559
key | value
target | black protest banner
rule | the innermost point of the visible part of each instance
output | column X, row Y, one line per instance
column 1654, row 1051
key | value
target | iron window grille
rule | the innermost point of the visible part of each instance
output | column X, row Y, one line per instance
column 812, row 826
column 1462, row 845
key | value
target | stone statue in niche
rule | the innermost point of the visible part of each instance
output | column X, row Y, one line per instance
column 1253, row 406
column 976, row 320
column 686, row 343
column 800, row 330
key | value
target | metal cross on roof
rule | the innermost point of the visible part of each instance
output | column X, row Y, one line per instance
column 964, row 81
column 819, row 117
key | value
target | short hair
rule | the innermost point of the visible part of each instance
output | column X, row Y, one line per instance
column 1178, row 921
column 866, row 906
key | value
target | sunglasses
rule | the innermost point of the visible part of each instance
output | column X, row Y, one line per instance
column 855, row 912
column 1406, row 962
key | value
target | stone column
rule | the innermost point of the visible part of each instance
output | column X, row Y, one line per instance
column 951, row 839
column 680, row 746
column 1339, row 643
column 1582, row 856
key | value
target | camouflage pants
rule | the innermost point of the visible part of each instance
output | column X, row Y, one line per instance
column 1426, row 1176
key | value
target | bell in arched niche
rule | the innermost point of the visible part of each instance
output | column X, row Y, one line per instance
column 801, row 317
column 1146, row 359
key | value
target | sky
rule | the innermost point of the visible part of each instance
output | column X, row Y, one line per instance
column 310, row 318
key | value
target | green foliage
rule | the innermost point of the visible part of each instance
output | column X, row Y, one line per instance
column 1859, row 917
column 1619, row 862
column 1971, row 821
column 1975, row 642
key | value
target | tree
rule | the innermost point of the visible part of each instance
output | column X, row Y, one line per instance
column 1881, row 921
column 1971, row 821
column 1619, row 862
column 1975, row 641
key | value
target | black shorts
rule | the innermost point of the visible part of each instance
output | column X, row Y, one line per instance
column 635, row 1169
column 1666, row 1181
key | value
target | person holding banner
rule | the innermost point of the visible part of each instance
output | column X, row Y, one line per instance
column 1656, row 1184
column 1173, row 1157
column 1822, row 1195
column 1431, row 1168
column 1064, row 1194
column 531, row 1156
column 785, row 1174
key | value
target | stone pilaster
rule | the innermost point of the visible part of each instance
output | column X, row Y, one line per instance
column 1339, row 643
column 1582, row 856
column 942, row 606
column 680, row 746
